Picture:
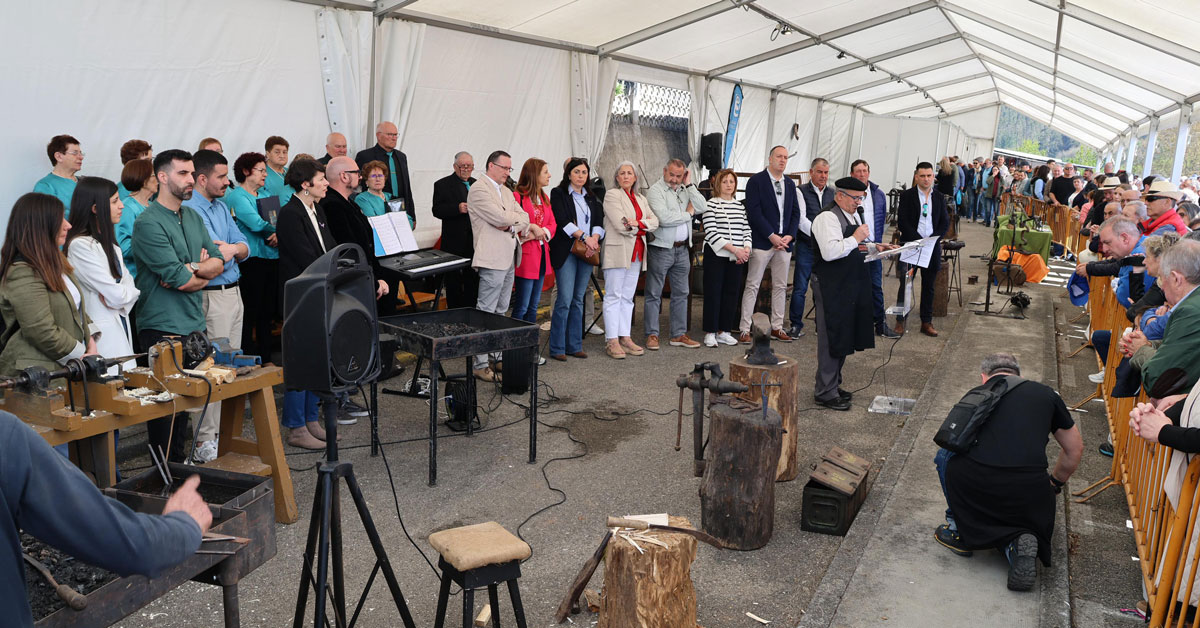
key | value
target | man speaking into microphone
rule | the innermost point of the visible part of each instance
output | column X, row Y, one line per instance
column 841, row 289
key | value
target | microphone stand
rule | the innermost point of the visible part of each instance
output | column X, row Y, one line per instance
column 987, row 300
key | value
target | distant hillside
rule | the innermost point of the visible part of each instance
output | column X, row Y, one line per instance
column 1018, row 131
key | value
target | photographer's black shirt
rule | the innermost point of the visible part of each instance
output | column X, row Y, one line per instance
column 1016, row 433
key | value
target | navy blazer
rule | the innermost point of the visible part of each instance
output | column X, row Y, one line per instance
column 908, row 215
column 762, row 210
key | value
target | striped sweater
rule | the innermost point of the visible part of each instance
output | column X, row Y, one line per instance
column 725, row 223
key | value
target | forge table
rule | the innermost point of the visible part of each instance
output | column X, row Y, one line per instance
column 463, row 333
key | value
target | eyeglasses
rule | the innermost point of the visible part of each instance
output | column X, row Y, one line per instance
column 504, row 168
column 924, row 210
column 857, row 199
column 377, row 175
column 351, row 171
column 77, row 153
column 259, row 170
column 390, row 134
column 465, row 166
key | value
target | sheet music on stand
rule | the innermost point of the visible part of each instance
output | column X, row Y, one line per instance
column 922, row 254
column 392, row 234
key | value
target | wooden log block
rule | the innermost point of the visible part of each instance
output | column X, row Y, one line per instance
column 941, row 292
column 651, row 589
column 737, row 494
column 782, row 399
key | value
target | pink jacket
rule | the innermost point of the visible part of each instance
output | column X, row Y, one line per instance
column 533, row 260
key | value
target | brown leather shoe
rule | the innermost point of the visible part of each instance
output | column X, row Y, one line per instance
column 300, row 437
column 780, row 335
column 900, row 327
column 928, row 330
column 682, row 340
column 580, row 354
column 652, row 342
column 744, row 338
column 561, row 357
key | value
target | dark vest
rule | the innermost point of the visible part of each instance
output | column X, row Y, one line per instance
column 845, row 296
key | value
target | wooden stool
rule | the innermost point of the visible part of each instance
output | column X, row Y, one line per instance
column 476, row 556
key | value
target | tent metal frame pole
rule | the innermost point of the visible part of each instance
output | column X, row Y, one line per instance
column 1039, row 82
column 816, row 138
column 1122, row 29
column 1081, row 59
column 1117, row 98
column 850, row 137
column 1033, row 110
column 1133, row 139
column 1181, row 142
column 1151, row 145
column 770, row 139
column 814, row 40
column 870, row 61
column 678, row 21
column 990, row 90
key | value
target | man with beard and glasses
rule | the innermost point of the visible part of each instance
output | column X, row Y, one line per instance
column 175, row 258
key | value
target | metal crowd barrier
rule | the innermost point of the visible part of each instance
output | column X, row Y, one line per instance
column 1161, row 531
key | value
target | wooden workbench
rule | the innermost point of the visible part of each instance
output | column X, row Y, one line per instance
column 91, row 437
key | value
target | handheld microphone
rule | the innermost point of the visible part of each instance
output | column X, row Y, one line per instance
column 862, row 217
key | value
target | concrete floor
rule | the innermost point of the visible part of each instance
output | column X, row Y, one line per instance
column 623, row 412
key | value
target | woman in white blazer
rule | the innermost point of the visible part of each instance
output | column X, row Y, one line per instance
column 627, row 220
column 92, row 249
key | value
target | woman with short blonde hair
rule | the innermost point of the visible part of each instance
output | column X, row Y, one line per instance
column 627, row 220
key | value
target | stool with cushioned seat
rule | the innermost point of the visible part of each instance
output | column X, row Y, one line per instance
column 476, row 556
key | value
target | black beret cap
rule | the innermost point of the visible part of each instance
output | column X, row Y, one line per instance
column 850, row 183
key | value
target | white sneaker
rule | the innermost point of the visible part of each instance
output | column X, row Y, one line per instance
column 596, row 330
column 205, row 452
column 1096, row 378
column 545, row 326
column 541, row 360
column 726, row 339
column 710, row 340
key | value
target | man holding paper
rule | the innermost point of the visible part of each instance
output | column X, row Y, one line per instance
column 922, row 214
column 841, row 289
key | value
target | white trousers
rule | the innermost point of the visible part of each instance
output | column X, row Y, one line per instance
column 620, row 284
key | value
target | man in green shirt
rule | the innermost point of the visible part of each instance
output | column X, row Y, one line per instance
column 175, row 258
column 67, row 159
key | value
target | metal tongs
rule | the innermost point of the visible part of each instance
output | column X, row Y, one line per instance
column 164, row 471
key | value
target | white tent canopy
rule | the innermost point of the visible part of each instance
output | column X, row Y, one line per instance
column 892, row 81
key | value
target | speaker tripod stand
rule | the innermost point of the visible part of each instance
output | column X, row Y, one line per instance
column 325, row 542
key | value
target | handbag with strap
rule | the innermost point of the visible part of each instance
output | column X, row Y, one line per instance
column 580, row 250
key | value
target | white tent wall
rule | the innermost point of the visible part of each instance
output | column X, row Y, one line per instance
column 257, row 74
column 880, row 146
column 799, row 112
column 518, row 101
column 345, row 47
column 833, row 137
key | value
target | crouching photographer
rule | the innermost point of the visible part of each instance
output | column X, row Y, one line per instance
column 993, row 468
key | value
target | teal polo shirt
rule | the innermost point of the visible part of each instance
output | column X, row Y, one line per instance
column 276, row 187
column 163, row 243
column 55, row 185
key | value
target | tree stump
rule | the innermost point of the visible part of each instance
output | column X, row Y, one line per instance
column 652, row 589
column 781, row 398
column 737, row 494
column 941, row 292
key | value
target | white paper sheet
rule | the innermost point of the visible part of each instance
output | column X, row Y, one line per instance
column 920, row 256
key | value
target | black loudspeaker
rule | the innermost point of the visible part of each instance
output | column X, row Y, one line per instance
column 710, row 152
column 330, row 333
column 515, row 380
